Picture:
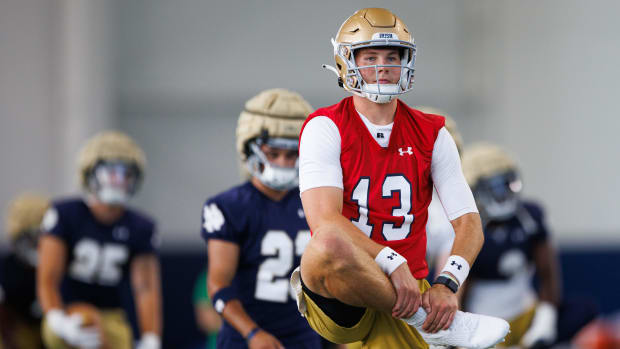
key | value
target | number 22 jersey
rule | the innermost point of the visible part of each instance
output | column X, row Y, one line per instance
column 271, row 236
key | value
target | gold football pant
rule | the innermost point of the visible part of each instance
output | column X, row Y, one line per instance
column 116, row 332
column 518, row 327
column 374, row 330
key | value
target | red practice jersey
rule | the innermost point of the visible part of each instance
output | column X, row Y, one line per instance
column 387, row 190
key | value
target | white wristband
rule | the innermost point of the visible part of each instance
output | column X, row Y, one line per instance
column 457, row 266
column 149, row 340
column 388, row 260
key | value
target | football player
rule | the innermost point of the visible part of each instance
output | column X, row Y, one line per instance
column 256, row 232
column 95, row 246
column 517, row 246
column 20, row 313
column 367, row 169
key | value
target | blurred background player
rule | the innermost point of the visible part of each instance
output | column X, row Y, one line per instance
column 208, row 320
column 256, row 232
column 96, row 247
column 517, row 246
column 20, row 313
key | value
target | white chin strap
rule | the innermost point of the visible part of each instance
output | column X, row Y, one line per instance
column 380, row 93
column 275, row 177
column 502, row 211
column 279, row 178
column 112, row 196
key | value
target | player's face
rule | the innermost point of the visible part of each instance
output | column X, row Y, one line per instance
column 378, row 56
column 280, row 157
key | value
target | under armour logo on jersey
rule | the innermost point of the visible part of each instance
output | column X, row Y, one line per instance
column 300, row 213
column 403, row 152
column 458, row 266
column 380, row 135
column 213, row 218
column 391, row 256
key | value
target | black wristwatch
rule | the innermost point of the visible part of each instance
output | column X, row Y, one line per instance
column 446, row 281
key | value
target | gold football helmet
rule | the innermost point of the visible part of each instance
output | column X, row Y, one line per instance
column 272, row 117
column 111, row 166
column 450, row 125
column 23, row 221
column 493, row 176
column 373, row 27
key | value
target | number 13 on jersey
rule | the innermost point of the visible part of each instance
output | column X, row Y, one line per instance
column 391, row 185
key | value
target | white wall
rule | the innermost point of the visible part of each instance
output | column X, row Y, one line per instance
column 186, row 71
column 55, row 91
column 27, row 122
column 540, row 78
column 543, row 80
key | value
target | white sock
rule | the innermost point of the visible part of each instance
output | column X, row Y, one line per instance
column 417, row 319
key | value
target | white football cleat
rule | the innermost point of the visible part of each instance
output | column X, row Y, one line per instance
column 468, row 330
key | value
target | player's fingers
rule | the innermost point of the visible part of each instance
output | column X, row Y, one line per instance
column 430, row 320
column 426, row 301
column 398, row 305
column 443, row 320
column 403, row 304
column 440, row 312
column 416, row 304
column 450, row 319
column 411, row 304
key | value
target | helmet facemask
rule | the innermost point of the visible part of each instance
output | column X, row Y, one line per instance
column 272, row 175
column 113, row 182
column 378, row 93
column 25, row 247
column 498, row 196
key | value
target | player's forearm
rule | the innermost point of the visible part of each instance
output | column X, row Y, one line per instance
column 47, row 292
column 468, row 237
column 148, row 307
column 208, row 319
column 548, row 273
column 147, row 293
column 50, row 272
column 235, row 315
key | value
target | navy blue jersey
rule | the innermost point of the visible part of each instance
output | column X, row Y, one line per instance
column 509, row 245
column 271, row 236
column 98, row 255
column 17, row 284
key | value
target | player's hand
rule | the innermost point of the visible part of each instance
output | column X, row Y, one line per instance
column 408, row 298
column 543, row 329
column 69, row 328
column 264, row 340
column 149, row 341
column 440, row 304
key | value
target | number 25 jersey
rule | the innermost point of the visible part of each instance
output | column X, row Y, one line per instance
column 98, row 255
column 387, row 190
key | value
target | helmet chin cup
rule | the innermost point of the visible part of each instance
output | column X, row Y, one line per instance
column 501, row 211
column 279, row 178
column 380, row 93
column 112, row 195
column 273, row 176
